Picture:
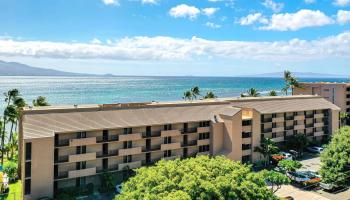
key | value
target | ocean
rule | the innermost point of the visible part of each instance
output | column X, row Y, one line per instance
column 98, row 90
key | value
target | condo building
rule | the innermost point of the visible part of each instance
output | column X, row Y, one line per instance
column 70, row 146
column 337, row 93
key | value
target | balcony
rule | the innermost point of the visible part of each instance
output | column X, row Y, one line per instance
column 170, row 133
column 278, row 129
column 62, row 159
column 189, row 143
column 246, row 128
column 267, row 130
column 82, row 141
column 267, row 120
column 130, row 165
column 299, row 127
column 203, row 153
column 130, row 151
column 203, row 142
column 289, row 118
column 278, row 119
column 110, row 153
column 63, row 143
column 246, row 140
column 318, row 133
column 203, row 129
column 319, row 124
column 82, row 172
column 190, row 130
column 320, row 115
column 130, row 137
column 151, row 134
column 299, row 117
column 61, row 175
column 172, row 157
column 82, row 157
column 289, row 128
column 278, row 139
column 170, row 146
column 246, row 152
column 111, row 138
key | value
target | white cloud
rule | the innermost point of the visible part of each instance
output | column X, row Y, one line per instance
column 252, row 18
column 209, row 11
column 111, row 2
column 310, row 1
column 276, row 7
column 96, row 41
column 167, row 48
column 212, row 25
column 184, row 10
column 343, row 17
column 295, row 21
column 342, row 2
column 149, row 1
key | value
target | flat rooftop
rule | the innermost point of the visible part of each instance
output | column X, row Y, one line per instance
column 326, row 83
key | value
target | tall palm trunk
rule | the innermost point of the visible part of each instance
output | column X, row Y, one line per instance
column 3, row 135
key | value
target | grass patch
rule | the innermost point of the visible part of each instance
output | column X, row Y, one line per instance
column 15, row 192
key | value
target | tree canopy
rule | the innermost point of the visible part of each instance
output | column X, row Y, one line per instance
column 335, row 158
column 290, row 165
column 196, row 178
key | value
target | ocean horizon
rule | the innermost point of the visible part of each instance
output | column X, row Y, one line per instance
column 120, row 89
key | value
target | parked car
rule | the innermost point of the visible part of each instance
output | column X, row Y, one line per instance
column 329, row 186
column 311, row 174
column 315, row 149
column 294, row 153
column 286, row 155
column 298, row 177
column 118, row 188
column 279, row 169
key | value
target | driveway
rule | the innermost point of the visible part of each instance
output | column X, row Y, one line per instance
column 311, row 162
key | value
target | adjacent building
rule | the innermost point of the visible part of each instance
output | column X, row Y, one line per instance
column 337, row 93
column 70, row 146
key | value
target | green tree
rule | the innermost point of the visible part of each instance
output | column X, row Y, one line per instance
column 272, row 93
column 298, row 142
column 275, row 179
column 11, row 168
column 335, row 158
column 40, row 101
column 210, row 95
column 290, row 82
column 290, row 165
column 195, row 92
column 196, row 178
column 343, row 118
column 252, row 92
column 266, row 149
column 187, row 95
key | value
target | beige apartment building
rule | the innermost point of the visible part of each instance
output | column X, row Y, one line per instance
column 337, row 93
column 71, row 146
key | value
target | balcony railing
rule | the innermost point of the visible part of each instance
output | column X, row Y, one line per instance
column 170, row 133
column 130, row 165
column 189, row 130
column 110, row 153
column 151, row 134
column 299, row 117
column 82, row 141
column 320, row 115
column 130, row 137
column 152, row 148
column 278, row 139
column 82, row 157
column 62, row 159
column 203, row 129
column 63, row 143
column 82, row 172
column 203, row 142
column 278, row 119
column 170, row 146
column 267, row 130
column 130, row 151
column 61, row 175
column 278, row 129
column 189, row 143
column 111, row 138
column 320, row 124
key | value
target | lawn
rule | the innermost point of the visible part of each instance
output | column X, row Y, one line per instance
column 15, row 192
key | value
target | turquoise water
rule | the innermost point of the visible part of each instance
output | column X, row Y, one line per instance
column 91, row 90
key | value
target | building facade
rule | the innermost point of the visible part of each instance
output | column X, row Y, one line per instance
column 337, row 93
column 64, row 147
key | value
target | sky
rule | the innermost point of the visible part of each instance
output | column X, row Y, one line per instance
column 176, row 38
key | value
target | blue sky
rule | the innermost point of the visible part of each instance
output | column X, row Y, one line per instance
column 172, row 37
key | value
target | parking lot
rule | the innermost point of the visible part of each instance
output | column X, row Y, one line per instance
column 312, row 162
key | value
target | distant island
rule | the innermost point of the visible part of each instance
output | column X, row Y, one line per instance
column 19, row 69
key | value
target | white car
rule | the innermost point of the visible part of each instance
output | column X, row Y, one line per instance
column 298, row 177
column 315, row 149
column 286, row 155
column 118, row 188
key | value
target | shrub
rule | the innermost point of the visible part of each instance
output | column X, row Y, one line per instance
column 11, row 168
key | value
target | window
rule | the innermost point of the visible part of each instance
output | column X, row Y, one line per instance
column 204, row 136
column 127, row 144
column 28, row 151
column 204, row 148
column 148, row 130
column 127, row 159
column 167, row 140
column 28, row 169
column 55, row 171
column 273, row 135
column 185, row 127
column 246, row 146
column 204, row 124
column 246, row 159
column 167, row 127
column 81, row 135
column 167, row 153
column 127, row 131
column 246, row 122
column 246, row 134
column 105, row 149
column 77, row 182
column 105, row 164
column 56, row 140
column 27, row 186
column 105, row 135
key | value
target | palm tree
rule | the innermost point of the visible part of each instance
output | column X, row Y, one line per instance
column 272, row 93
column 298, row 142
column 343, row 118
column 40, row 101
column 11, row 113
column 210, row 95
column 266, row 149
column 11, row 95
column 187, row 95
column 290, row 82
column 252, row 92
column 195, row 92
